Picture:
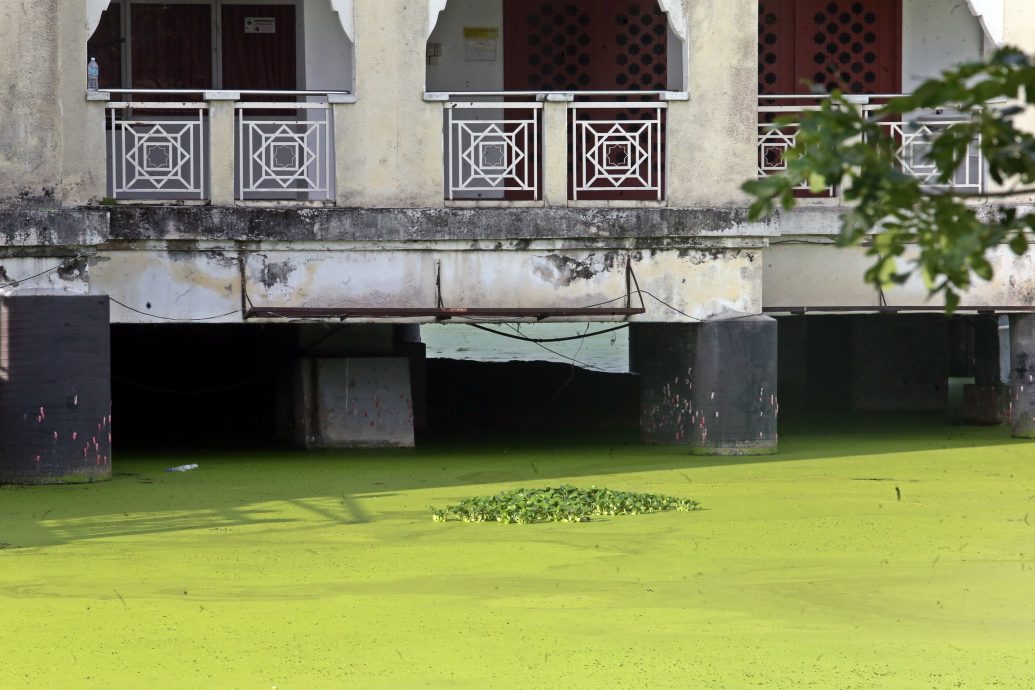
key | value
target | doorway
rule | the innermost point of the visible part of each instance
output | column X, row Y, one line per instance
column 851, row 45
column 218, row 44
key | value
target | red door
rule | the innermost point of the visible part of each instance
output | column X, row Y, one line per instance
column 851, row 45
column 172, row 46
column 595, row 45
column 584, row 45
column 259, row 47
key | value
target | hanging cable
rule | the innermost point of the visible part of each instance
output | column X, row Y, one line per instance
column 173, row 318
column 549, row 340
column 63, row 264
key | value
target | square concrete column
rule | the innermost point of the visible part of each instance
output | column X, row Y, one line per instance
column 710, row 386
column 354, row 402
column 983, row 399
column 55, row 389
column 1022, row 375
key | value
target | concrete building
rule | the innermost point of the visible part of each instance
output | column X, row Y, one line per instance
column 289, row 188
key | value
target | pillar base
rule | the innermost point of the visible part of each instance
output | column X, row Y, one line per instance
column 710, row 386
column 985, row 405
column 55, row 389
column 1022, row 375
column 354, row 402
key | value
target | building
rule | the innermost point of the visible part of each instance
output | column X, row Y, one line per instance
column 262, row 170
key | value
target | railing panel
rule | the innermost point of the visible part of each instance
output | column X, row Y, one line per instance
column 618, row 150
column 913, row 139
column 775, row 140
column 493, row 150
column 157, row 150
column 284, row 151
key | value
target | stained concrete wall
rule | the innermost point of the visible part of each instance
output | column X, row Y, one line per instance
column 328, row 63
column 160, row 285
column 391, row 144
column 30, row 141
column 935, row 35
column 813, row 275
column 712, row 137
column 355, row 402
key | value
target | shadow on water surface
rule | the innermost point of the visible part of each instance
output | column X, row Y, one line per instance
column 291, row 489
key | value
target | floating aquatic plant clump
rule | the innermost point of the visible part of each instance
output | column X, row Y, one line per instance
column 562, row 504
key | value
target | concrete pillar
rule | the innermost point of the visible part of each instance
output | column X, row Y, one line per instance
column 389, row 143
column 663, row 354
column 1022, row 375
column 555, row 149
column 221, row 146
column 55, row 389
column 408, row 344
column 355, row 402
column 349, row 386
column 982, row 400
column 711, row 386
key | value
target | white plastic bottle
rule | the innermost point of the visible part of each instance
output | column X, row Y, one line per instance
column 93, row 75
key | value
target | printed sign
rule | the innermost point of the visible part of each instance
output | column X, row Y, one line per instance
column 480, row 43
column 260, row 25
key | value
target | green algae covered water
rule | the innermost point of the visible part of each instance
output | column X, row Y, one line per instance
column 859, row 557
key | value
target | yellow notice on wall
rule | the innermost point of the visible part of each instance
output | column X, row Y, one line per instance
column 480, row 43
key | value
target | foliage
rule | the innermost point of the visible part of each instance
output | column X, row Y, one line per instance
column 947, row 239
column 562, row 504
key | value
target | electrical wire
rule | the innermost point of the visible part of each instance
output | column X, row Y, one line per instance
column 173, row 318
column 549, row 340
column 63, row 264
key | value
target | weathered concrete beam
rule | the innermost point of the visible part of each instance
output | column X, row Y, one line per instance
column 394, row 224
column 34, row 226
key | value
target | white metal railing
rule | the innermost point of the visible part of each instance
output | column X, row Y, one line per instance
column 160, row 144
column 157, row 150
column 617, row 147
column 775, row 140
column 913, row 140
column 492, row 148
column 497, row 144
column 913, row 146
column 284, row 150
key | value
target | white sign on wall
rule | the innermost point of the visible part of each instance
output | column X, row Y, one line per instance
column 480, row 43
column 260, row 25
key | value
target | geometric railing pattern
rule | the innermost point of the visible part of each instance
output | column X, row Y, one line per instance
column 284, row 151
column 157, row 156
column 492, row 148
column 614, row 150
column 773, row 143
column 913, row 150
column 913, row 140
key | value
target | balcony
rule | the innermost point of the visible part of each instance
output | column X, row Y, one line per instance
column 913, row 139
column 178, row 145
column 562, row 148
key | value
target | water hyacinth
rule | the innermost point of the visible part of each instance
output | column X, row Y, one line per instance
column 561, row 504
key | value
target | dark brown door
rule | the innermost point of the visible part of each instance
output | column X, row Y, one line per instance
column 106, row 46
column 852, row 45
column 585, row 45
column 593, row 45
column 172, row 46
column 259, row 47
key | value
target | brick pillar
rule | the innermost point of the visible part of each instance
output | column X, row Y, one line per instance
column 711, row 386
column 1022, row 375
column 55, row 389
